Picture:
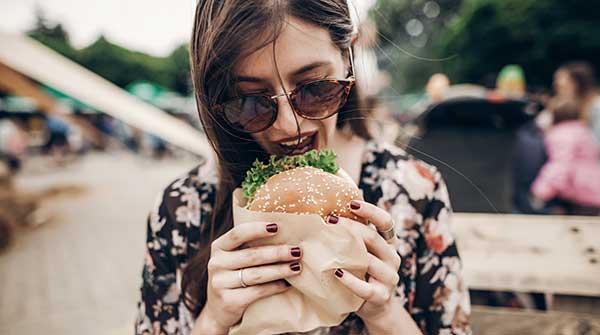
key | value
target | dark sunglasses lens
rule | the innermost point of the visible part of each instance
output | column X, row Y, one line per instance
column 250, row 114
column 320, row 99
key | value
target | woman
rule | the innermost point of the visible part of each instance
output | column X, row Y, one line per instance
column 576, row 81
column 276, row 77
column 572, row 172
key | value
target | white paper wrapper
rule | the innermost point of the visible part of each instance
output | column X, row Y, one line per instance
column 316, row 298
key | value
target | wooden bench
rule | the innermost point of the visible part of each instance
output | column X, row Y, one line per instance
column 504, row 321
column 554, row 255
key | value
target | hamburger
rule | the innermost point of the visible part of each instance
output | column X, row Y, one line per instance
column 311, row 183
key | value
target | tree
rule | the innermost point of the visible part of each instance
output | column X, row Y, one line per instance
column 118, row 65
column 179, row 70
column 52, row 35
column 538, row 35
column 122, row 66
column 409, row 41
column 471, row 40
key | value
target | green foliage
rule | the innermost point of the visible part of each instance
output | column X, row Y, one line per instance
column 178, row 68
column 261, row 172
column 410, row 60
column 471, row 40
column 538, row 35
column 52, row 35
column 119, row 65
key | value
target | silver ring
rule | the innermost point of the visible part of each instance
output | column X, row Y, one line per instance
column 388, row 234
column 242, row 278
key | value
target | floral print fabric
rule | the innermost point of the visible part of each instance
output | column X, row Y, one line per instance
column 414, row 193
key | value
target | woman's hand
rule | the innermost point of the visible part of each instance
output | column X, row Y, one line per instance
column 381, row 312
column 238, row 277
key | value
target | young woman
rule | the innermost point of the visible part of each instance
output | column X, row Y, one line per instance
column 576, row 80
column 276, row 77
column 572, row 172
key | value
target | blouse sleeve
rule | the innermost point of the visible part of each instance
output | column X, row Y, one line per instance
column 441, row 302
column 172, row 230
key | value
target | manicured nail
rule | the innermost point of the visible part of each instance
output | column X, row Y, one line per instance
column 332, row 219
column 272, row 228
column 354, row 205
column 295, row 267
column 339, row 273
column 295, row 251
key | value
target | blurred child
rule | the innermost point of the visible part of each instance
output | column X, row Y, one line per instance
column 572, row 172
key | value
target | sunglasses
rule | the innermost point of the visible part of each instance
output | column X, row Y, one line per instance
column 315, row 100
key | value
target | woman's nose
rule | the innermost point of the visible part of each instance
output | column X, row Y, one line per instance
column 286, row 118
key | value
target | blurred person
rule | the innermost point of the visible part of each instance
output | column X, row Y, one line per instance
column 436, row 91
column 156, row 146
column 576, row 80
column 58, row 138
column 572, row 172
column 13, row 144
column 437, row 87
column 529, row 156
column 291, row 63
column 511, row 81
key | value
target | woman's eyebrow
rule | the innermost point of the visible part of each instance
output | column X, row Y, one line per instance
column 295, row 74
column 249, row 79
column 309, row 67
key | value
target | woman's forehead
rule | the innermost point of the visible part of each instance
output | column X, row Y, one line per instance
column 299, row 44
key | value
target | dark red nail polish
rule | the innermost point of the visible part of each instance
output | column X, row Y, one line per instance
column 333, row 219
column 354, row 205
column 295, row 251
column 272, row 227
column 339, row 273
column 295, row 267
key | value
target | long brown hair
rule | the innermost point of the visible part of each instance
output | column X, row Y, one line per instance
column 582, row 74
column 222, row 29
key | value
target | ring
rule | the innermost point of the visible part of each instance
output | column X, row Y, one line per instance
column 242, row 278
column 388, row 234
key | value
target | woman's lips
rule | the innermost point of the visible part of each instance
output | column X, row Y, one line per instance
column 308, row 143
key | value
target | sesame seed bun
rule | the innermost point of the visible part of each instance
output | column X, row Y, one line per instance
column 307, row 190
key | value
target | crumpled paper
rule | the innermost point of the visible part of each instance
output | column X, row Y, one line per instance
column 316, row 298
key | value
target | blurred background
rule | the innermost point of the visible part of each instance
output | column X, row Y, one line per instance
column 97, row 115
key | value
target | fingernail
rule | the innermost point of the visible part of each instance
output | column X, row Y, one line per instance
column 295, row 251
column 339, row 273
column 295, row 267
column 354, row 205
column 332, row 219
column 272, row 227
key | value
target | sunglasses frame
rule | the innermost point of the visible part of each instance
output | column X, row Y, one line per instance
column 347, row 84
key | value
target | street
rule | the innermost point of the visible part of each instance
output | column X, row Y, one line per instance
column 80, row 273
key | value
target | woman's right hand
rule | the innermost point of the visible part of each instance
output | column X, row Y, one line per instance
column 263, row 270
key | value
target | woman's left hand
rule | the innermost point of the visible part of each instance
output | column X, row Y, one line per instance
column 378, row 290
column 382, row 312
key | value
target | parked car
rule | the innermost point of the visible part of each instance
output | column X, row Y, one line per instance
column 470, row 139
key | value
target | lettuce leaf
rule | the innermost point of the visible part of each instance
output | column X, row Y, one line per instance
column 261, row 172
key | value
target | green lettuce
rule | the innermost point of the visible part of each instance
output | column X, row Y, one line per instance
column 261, row 172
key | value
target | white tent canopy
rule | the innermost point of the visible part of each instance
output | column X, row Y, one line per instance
column 36, row 61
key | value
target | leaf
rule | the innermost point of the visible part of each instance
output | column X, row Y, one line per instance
column 260, row 172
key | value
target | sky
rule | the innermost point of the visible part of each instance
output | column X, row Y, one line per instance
column 155, row 27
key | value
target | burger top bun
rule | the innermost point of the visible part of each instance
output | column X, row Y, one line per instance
column 307, row 190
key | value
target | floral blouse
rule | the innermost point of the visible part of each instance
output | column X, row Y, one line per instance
column 414, row 193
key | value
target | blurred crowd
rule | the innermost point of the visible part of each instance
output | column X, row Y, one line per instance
column 64, row 137
column 554, row 149
column 557, row 158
